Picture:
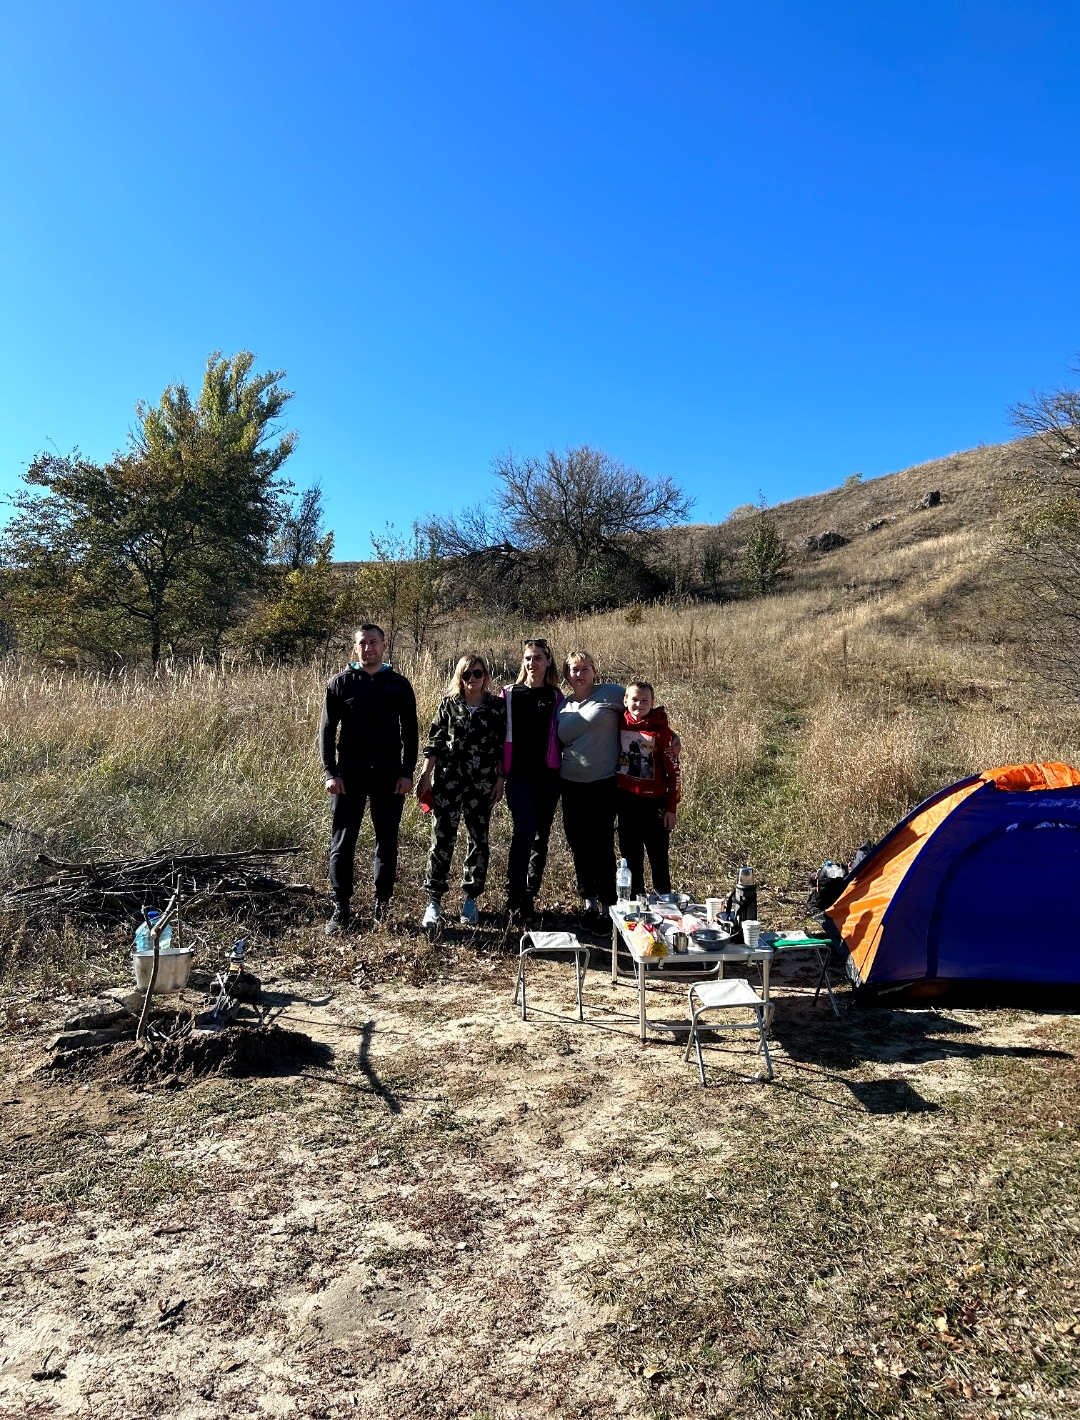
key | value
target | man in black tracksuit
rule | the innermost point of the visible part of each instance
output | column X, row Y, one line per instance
column 369, row 740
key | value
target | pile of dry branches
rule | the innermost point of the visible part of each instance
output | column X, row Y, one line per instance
column 121, row 887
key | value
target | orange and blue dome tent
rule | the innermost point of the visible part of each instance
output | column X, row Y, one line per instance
column 980, row 883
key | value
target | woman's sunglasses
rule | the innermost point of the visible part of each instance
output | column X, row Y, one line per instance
column 477, row 673
column 542, row 644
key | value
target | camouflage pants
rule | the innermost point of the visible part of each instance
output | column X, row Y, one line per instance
column 445, row 818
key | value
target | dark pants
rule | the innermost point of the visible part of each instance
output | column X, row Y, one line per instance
column 532, row 803
column 641, row 831
column 476, row 811
column 588, row 815
column 346, row 817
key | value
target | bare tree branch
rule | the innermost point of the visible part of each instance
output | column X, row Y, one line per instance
column 583, row 499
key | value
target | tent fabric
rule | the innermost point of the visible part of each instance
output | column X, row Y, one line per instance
column 979, row 883
column 1034, row 776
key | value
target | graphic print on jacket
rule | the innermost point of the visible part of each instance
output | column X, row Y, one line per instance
column 648, row 764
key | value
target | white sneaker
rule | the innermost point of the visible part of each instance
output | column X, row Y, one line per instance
column 592, row 907
column 470, row 913
column 433, row 916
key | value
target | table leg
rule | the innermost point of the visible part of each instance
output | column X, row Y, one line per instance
column 614, row 954
column 823, row 957
column 769, row 1008
column 641, row 999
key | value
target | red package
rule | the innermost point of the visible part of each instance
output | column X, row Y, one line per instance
column 426, row 800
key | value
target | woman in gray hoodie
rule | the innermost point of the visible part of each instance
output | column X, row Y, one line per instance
column 588, row 724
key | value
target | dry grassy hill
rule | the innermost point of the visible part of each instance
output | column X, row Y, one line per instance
column 881, row 670
column 939, row 564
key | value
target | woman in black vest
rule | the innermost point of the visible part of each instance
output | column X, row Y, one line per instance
column 531, row 759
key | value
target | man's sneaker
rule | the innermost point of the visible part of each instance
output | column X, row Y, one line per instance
column 432, row 917
column 592, row 907
column 339, row 920
column 470, row 913
column 382, row 909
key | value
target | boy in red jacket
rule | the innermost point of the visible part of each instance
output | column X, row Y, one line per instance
column 647, row 780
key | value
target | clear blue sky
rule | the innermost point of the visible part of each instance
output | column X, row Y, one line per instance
column 753, row 246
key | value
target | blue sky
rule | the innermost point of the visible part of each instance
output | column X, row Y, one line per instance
column 755, row 247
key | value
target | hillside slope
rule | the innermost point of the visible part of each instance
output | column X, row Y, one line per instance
column 940, row 564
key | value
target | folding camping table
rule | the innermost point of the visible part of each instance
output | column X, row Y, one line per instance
column 644, row 966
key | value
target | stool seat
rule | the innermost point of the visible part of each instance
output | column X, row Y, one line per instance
column 735, row 991
column 553, row 941
column 542, row 943
column 725, row 995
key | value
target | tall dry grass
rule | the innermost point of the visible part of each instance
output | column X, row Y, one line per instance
column 810, row 721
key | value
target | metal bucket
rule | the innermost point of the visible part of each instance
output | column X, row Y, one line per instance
column 174, row 967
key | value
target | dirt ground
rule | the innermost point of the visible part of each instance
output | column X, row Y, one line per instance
column 452, row 1212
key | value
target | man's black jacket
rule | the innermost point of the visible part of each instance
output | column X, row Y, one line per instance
column 368, row 726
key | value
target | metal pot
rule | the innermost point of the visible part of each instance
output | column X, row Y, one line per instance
column 174, row 968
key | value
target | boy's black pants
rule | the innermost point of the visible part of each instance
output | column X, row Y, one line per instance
column 641, row 831
column 346, row 817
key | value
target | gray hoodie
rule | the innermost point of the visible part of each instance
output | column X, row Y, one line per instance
column 589, row 731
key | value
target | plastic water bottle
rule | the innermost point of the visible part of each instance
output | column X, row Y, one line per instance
column 143, row 940
column 622, row 881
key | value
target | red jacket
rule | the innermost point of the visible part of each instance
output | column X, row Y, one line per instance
column 647, row 763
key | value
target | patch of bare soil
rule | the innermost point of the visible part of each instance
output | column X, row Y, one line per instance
column 235, row 1051
column 480, row 1217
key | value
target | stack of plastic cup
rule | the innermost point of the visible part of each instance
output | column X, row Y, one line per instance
column 751, row 932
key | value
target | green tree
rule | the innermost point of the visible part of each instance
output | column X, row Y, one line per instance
column 765, row 552
column 300, row 533
column 312, row 604
column 400, row 588
column 161, row 546
column 715, row 554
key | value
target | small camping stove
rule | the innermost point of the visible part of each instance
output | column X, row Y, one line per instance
column 234, row 984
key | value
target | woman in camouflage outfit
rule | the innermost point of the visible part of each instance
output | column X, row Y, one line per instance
column 463, row 775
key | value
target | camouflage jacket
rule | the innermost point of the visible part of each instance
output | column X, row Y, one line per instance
column 467, row 746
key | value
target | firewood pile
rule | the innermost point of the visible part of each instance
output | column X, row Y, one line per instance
column 119, row 888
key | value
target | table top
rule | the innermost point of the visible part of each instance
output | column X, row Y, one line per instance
column 725, row 951
column 800, row 944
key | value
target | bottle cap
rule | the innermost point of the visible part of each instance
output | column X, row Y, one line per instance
column 153, row 914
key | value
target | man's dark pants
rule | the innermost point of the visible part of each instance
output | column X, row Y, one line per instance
column 346, row 817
